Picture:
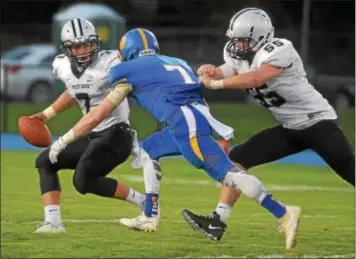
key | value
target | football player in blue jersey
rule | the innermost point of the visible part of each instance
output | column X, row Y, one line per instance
column 169, row 89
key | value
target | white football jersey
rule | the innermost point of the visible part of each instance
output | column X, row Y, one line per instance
column 92, row 86
column 290, row 97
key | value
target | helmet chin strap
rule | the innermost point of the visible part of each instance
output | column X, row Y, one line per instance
column 239, row 52
column 83, row 61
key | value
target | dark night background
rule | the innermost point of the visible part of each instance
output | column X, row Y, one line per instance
column 331, row 36
column 335, row 16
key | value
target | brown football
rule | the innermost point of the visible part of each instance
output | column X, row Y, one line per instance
column 34, row 131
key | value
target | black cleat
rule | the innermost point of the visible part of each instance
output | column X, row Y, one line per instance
column 209, row 225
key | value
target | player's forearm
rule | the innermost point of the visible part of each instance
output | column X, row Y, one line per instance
column 225, row 71
column 218, row 74
column 243, row 81
column 248, row 80
column 89, row 121
column 240, row 81
column 92, row 119
column 63, row 102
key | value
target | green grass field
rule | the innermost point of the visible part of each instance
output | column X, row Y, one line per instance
column 245, row 119
column 327, row 226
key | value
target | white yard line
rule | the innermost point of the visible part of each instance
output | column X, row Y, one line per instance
column 271, row 187
column 76, row 221
column 98, row 221
column 310, row 256
column 278, row 256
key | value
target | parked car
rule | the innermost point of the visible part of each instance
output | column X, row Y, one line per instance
column 27, row 71
column 339, row 90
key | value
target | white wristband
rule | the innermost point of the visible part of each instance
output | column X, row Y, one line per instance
column 69, row 137
column 49, row 112
column 217, row 84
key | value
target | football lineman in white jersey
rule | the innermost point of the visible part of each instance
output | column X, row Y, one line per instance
column 84, row 70
column 271, row 70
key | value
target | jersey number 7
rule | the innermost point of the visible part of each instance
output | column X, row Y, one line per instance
column 84, row 97
column 187, row 78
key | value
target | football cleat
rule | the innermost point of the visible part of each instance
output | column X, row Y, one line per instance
column 211, row 225
column 47, row 227
column 141, row 222
column 289, row 224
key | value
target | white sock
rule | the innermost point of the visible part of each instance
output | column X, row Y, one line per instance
column 53, row 214
column 223, row 210
column 135, row 197
column 151, row 173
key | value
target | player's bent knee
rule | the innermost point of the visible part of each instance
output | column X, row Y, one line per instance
column 80, row 186
column 80, row 183
column 42, row 161
column 248, row 184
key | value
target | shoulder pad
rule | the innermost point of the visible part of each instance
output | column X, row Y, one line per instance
column 59, row 63
column 105, row 52
column 58, row 59
column 108, row 58
column 60, row 56
column 278, row 52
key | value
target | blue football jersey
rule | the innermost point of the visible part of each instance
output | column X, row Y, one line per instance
column 160, row 84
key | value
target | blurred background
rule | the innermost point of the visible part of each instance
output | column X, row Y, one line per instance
column 322, row 31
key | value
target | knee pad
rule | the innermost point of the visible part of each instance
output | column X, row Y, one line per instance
column 248, row 184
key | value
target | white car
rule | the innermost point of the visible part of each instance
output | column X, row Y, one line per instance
column 26, row 73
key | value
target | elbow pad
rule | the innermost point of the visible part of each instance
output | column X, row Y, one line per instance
column 120, row 92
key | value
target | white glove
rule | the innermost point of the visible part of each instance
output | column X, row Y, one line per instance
column 55, row 149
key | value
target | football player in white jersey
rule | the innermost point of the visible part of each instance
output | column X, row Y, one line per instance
column 271, row 70
column 84, row 70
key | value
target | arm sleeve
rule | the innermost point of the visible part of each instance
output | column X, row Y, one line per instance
column 121, row 90
column 228, row 70
column 120, row 85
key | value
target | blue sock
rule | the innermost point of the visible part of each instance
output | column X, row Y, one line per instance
column 150, row 207
column 275, row 207
column 155, row 209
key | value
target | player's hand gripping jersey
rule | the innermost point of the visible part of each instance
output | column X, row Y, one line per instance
column 291, row 98
column 90, row 87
